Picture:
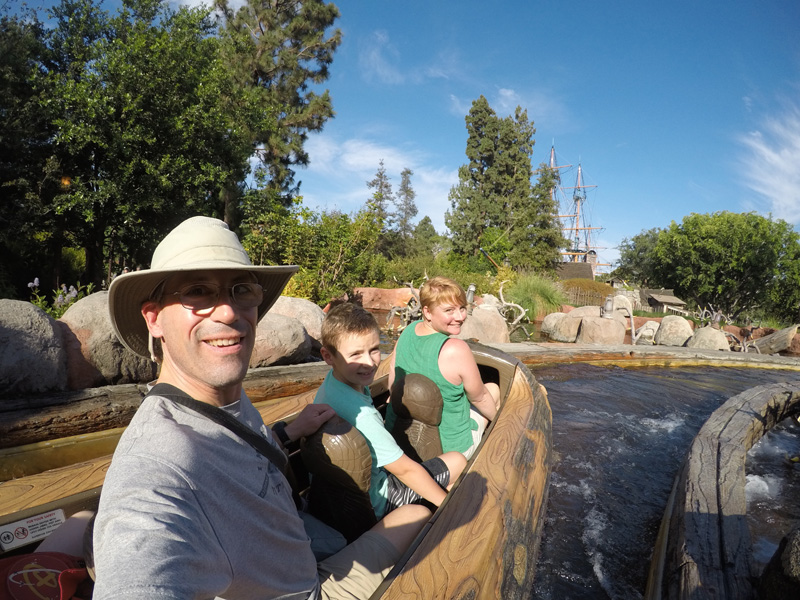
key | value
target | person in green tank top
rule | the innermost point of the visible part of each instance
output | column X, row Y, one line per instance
column 425, row 347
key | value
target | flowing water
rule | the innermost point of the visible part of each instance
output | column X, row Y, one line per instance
column 619, row 437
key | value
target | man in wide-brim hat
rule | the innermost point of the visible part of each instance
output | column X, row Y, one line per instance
column 192, row 506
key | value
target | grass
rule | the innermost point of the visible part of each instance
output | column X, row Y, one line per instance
column 535, row 293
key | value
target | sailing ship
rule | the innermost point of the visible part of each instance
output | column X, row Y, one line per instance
column 571, row 202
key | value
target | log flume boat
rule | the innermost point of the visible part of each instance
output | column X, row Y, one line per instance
column 703, row 549
column 482, row 542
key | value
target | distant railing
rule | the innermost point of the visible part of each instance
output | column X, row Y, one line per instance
column 578, row 297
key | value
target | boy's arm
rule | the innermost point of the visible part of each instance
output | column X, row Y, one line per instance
column 417, row 478
column 458, row 366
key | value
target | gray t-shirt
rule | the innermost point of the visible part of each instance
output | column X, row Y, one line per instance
column 189, row 510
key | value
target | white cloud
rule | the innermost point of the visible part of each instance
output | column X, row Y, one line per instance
column 378, row 59
column 338, row 172
column 543, row 106
column 769, row 164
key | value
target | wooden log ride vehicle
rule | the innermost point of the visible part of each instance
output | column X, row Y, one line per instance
column 482, row 542
column 703, row 549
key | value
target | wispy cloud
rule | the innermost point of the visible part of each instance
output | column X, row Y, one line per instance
column 543, row 106
column 379, row 59
column 770, row 164
column 339, row 170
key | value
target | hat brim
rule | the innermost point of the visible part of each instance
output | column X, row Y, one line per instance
column 129, row 291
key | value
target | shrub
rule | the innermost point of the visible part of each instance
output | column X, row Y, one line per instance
column 536, row 293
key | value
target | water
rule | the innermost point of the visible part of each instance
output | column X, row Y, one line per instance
column 620, row 436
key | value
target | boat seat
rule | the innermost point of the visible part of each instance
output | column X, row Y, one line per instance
column 338, row 458
column 417, row 403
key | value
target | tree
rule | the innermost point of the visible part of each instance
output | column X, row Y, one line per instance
column 25, row 144
column 495, row 196
column 736, row 262
column 404, row 213
column 382, row 196
column 425, row 239
column 535, row 233
column 151, row 124
column 280, row 48
column 636, row 257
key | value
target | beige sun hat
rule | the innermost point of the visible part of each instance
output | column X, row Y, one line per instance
column 197, row 244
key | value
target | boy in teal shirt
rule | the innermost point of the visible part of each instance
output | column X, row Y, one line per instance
column 350, row 345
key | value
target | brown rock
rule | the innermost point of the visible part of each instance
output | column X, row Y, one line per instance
column 381, row 299
column 95, row 356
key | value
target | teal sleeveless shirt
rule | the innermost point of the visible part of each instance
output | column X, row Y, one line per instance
column 420, row 354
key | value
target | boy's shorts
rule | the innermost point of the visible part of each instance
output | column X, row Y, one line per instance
column 399, row 494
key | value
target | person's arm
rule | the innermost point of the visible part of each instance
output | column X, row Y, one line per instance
column 458, row 366
column 307, row 422
column 417, row 478
column 391, row 374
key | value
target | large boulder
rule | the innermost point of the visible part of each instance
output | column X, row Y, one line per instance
column 560, row 327
column 709, row 338
column 486, row 325
column 598, row 330
column 95, row 356
column 305, row 311
column 380, row 299
column 674, row 331
column 32, row 356
column 645, row 335
column 781, row 577
column 280, row 340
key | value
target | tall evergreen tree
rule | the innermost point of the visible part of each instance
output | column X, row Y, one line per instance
column 495, row 196
column 281, row 48
column 382, row 195
column 404, row 213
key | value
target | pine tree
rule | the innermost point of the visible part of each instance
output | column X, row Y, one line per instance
column 495, row 200
column 405, row 211
column 278, row 49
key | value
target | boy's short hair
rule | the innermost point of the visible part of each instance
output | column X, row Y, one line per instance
column 346, row 319
column 439, row 290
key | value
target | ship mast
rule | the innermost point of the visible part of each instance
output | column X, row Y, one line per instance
column 572, row 226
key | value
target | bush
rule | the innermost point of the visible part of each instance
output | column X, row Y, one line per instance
column 587, row 285
column 536, row 293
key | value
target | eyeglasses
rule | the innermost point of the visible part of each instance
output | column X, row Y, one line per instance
column 203, row 296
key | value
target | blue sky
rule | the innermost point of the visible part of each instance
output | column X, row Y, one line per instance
column 670, row 107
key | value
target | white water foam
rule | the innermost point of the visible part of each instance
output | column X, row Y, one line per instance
column 761, row 487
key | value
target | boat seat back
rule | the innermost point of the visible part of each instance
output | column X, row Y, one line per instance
column 338, row 458
column 417, row 403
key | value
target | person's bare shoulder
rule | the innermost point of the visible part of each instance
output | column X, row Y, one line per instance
column 455, row 349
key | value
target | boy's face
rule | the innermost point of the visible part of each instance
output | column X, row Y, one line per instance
column 356, row 360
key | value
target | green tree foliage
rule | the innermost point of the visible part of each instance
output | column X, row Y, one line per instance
column 336, row 252
column 425, row 240
column 495, row 192
column 152, row 125
column 25, row 145
column 736, row 262
column 636, row 257
column 405, row 210
column 281, row 48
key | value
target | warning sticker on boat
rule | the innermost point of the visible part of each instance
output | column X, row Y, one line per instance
column 29, row 530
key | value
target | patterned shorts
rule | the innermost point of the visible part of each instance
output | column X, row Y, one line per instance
column 399, row 494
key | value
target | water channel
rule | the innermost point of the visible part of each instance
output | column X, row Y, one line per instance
column 620, row 436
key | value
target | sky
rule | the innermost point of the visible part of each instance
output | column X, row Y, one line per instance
column 670, row 108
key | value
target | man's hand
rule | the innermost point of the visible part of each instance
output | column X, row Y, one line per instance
column 309, row 420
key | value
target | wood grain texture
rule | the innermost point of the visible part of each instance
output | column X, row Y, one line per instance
column 48, row 417
column 704, row 548
column 483, row 541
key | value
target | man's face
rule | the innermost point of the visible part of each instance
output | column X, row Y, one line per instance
column 205, row 351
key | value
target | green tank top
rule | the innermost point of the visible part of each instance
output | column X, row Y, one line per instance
column 420, row 354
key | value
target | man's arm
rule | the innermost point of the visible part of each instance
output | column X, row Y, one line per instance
column 413, row 475
column 308, row 421
column 458, row 366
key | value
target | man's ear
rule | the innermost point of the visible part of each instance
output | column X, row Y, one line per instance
column 327, row 355
column 150, row 312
